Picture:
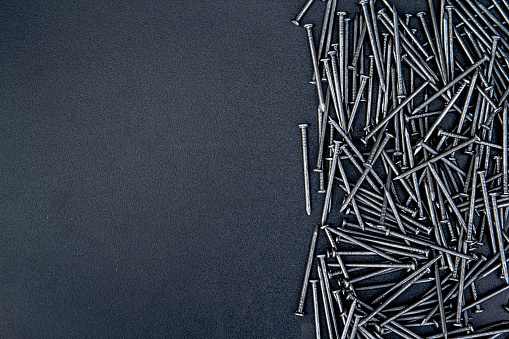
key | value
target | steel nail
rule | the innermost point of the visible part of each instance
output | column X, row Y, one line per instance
column 374, row 47
column 309, row 264
column 303, row 11
column 309, row 30
column 315, row 307
column 498, row 232
column 303, row 128
column 325, row 302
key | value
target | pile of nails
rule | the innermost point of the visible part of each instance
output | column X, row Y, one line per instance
column 412, row 159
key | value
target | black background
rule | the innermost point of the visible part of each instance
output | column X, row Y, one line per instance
column 151, row 177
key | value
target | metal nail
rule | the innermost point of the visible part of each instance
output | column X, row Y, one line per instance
column 303, row 128
column 309, row 264
column 303, row 11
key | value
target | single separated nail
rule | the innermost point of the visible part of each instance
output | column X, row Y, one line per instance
column 303, row 11
column 303, row 128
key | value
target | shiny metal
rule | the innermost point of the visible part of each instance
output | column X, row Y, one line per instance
column 370, row 94
column 478, row 308
column 303, row 128
column 323, row 266
column 349, row 319
column 328, row 195
column 498, row 232
column 309, row 265
column 451, row 83
column 364, row 79
column 375, row 153
column 374, row 47
column 438, row 37
column 414, row 277
column 505, row 167
column 450, row 41
column 443, row 114
column 395, row 111
column 422, row 17
column 330, row 330
column 323, row 33
column 341, row 51
column 303, row 11
column 309, row 30
column 315, row 307
column 330, row 80
column 487, row 210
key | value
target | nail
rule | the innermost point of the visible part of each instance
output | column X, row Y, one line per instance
column 493, row 53
column 505, row 167
column 443, row 114
column 375, row 29
column 498, row 232
column 438, row 38
column 446, row 194
column 303, row 11
column 341, row 18
column 321, row 259
column 478, row 308
column 330, row 26
column 436, row 158
column 467, row 101
column 440, row 301
column 350, row 157
column 364, row 245
column 360, row 42
column 309, row 30
column 451, row 83
column 364, row 79
column 470, row 221
column 421, row 16
column 347, row 190
column 489, row 296
column 349, row 319
column 339, row 109
column 415, row 276
column 323, row 33
column 374, row 47
column 303, row 128
column 328, row 195
column 394, row 112
column 473, row 24
column 368, row 168
column 461, row 287
column 315, row 307
column 309, row 264
column 337, row 86
column 370, row 93
column 409, row 48
column 345, row 66
column 355, row 326
column 502, row 12
column 325, row 303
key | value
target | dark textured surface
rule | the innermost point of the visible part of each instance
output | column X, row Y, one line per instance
column 150, row 178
